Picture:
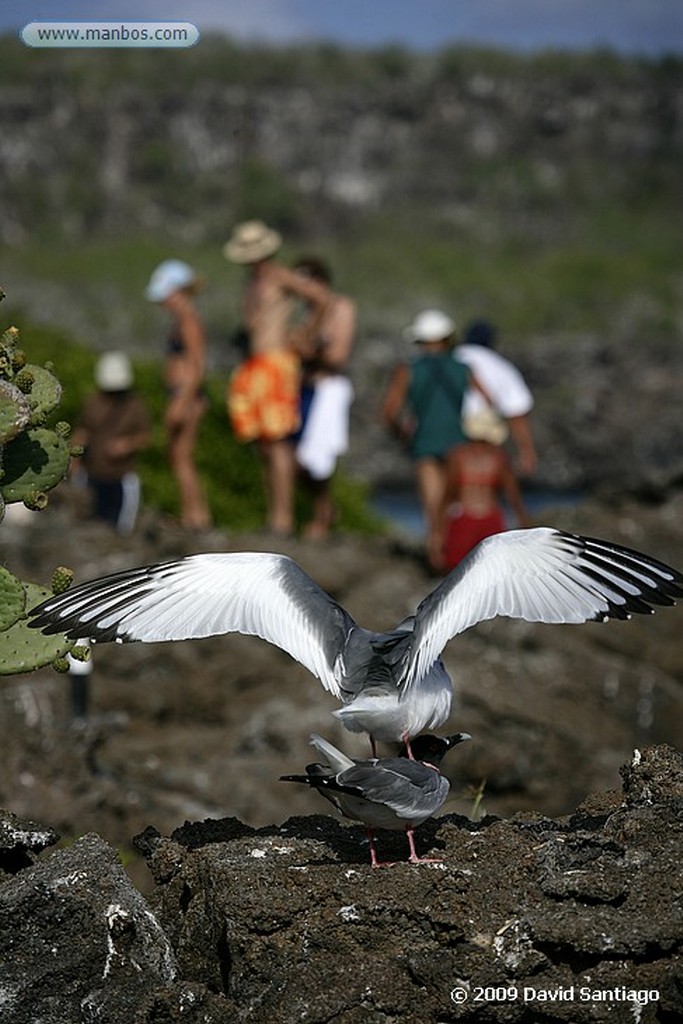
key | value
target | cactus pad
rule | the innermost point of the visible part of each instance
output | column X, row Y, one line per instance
column 23, row 649
column 12, row 599
column 14, row 411
column 45, row 392
column 33, row 463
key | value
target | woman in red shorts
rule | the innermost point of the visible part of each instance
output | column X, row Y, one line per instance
column 478, row 474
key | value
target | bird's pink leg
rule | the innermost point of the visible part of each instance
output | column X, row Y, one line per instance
column 406, row 740
column 414, row 859
column 373, row 854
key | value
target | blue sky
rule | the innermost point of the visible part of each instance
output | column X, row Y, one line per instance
column 650, row 27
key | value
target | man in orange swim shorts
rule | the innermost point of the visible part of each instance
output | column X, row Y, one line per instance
column 263, row 394
column 263, row 401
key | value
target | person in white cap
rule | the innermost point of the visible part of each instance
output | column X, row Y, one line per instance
column 264, row 391
column 113, row 428
column 431, row 387
column 174, row 285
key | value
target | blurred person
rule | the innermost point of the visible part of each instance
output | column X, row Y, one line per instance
column 79, row 673
column 505, row 385
column 478, row 474
column 432, row 387
column 324, row 340
column 264, row 390
column 174, row 285
column 113, row 427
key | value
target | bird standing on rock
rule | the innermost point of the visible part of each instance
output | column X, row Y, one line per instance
column 388, row 792
column 392, row 685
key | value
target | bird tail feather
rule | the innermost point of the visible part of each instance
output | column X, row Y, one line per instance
column 336, row 759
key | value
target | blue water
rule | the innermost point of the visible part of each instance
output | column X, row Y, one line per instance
column 402, row 509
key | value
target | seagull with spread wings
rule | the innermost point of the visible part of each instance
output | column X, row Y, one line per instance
column 392, row 685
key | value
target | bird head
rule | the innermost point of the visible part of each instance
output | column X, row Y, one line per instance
column 433, row 749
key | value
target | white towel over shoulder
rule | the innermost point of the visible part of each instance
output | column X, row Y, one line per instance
column 326, row 433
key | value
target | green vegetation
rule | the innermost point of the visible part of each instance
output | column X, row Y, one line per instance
column 231, row 471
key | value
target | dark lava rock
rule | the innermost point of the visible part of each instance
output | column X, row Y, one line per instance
column 77, row 941
column 532, row 919
column 20, row 840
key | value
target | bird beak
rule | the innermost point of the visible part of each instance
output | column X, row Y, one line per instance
column 458, row 737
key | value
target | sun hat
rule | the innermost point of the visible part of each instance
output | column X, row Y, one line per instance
column 252, row 241
column 430, row 325
column 169, row 277
column 485, row 425
column 114, row 372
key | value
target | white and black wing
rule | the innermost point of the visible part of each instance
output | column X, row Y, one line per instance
column 541, row 575
column 255, row 593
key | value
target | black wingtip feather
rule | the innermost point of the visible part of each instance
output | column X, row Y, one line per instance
column 657, row 583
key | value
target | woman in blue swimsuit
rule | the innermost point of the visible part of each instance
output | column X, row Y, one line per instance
column 174, row 285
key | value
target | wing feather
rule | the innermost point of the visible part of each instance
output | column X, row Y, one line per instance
column 255, row 593
column 541, row 575
column 408, row 788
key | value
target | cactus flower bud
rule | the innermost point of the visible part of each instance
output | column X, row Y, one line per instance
column 36, row 501
column 24, row 380
column 62, row 578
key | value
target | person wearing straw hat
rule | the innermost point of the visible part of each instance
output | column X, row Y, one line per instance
column 264, row 391
column 478, row 473
column 174, row 285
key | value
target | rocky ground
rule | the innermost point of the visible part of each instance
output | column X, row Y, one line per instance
column 572, row 919
column 272, row 924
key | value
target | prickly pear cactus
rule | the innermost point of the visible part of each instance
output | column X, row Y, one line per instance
column 33, row 457
column 23, row 649
column 33, row 460
column 15, row 411
column 33, row 463
column 12, row 599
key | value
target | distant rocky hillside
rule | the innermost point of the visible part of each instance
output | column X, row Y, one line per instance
column 91, row 140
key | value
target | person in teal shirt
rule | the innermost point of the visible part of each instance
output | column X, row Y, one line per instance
column 423, row 406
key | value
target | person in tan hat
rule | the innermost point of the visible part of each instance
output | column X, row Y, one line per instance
column 264, row 391
column 478, row 474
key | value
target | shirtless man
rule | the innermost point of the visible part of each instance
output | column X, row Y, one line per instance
column 263, row 395
column 324, row 340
